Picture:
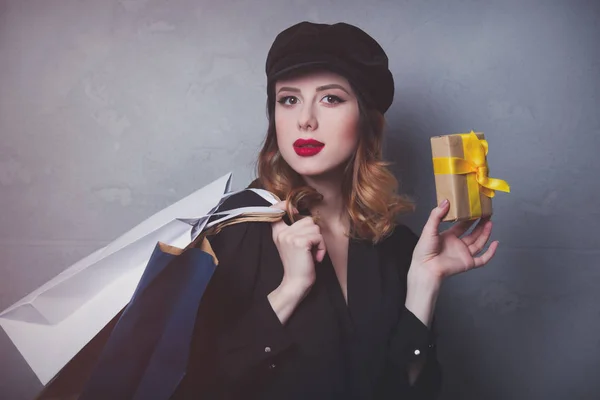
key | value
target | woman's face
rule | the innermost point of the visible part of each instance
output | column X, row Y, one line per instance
column 316, row 120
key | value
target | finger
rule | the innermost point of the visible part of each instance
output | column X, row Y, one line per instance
column 472, row 237
column 487, row 255
column 481, row 239
column 305, row 228
column 460, row 228
column 283, row 205
column 316, row 245
column 304, row 222
column 321, row 250
column 432, row 225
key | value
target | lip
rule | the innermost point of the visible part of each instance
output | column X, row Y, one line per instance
column 300, row 147
column 305, row 142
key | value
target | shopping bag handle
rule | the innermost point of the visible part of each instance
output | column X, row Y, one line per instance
column 228, row 217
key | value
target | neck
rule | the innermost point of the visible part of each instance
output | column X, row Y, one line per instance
column 333, row 217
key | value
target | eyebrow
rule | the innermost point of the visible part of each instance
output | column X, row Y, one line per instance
column 319, row 89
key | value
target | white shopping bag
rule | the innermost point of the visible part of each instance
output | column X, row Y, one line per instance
column 54, row 322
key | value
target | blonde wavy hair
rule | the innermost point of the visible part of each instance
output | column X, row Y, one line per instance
column 369, row 188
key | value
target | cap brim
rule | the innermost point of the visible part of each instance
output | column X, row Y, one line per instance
column 330, row 65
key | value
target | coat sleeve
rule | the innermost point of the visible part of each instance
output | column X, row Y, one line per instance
column 238, row 336
column 412, row 341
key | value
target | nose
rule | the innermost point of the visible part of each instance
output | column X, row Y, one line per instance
column 307, row 119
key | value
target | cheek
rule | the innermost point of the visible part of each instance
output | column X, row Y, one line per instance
column 349, row 131
column 282, row 126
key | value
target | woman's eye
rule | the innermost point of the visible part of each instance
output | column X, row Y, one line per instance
column 288, row 100
column 331, row 99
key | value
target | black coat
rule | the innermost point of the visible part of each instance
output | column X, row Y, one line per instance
column 327, row 349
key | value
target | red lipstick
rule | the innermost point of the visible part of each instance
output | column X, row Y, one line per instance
column 308, row 147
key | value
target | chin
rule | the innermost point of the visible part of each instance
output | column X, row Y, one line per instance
column 312, row 166
column 315, row 170
column 309, row 170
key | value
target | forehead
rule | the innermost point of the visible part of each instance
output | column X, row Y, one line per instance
column 313, row 78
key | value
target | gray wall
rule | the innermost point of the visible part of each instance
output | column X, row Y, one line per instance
column 112, row 110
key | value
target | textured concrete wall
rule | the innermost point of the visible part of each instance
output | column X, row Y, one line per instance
column 112, row 110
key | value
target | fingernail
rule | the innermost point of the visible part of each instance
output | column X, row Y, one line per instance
column 443, row 203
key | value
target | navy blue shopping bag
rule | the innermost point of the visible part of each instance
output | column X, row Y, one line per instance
column 146, row 355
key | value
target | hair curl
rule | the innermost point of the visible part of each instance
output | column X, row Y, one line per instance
column 369, row 188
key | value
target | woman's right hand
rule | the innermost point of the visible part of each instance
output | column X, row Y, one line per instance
column 299, row 246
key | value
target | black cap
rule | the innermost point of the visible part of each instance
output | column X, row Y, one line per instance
column 341, row 48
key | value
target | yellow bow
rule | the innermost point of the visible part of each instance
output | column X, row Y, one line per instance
column 474, row 164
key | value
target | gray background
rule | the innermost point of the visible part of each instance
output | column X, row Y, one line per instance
column 112, row 110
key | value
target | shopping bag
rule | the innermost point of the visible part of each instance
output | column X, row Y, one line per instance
column 146, row 353
column 146, row 356
column 75, row 306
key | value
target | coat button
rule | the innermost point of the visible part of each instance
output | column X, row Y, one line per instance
column 267, row 349
column 417, row 352
column 272, row 366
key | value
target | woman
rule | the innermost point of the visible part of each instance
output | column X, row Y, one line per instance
column 338, row 306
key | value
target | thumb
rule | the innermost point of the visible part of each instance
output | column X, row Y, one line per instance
column 432, row 225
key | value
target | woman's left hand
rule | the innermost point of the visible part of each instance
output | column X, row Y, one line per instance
column 444, row 254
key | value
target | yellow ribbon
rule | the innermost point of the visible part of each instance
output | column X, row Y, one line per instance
column 475, row 166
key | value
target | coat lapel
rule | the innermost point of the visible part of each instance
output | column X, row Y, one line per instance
column 365, row 307
column 364, row 285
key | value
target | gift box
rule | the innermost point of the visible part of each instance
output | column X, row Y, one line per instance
column 461, row 175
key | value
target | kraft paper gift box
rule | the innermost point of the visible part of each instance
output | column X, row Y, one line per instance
column 461, row 175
